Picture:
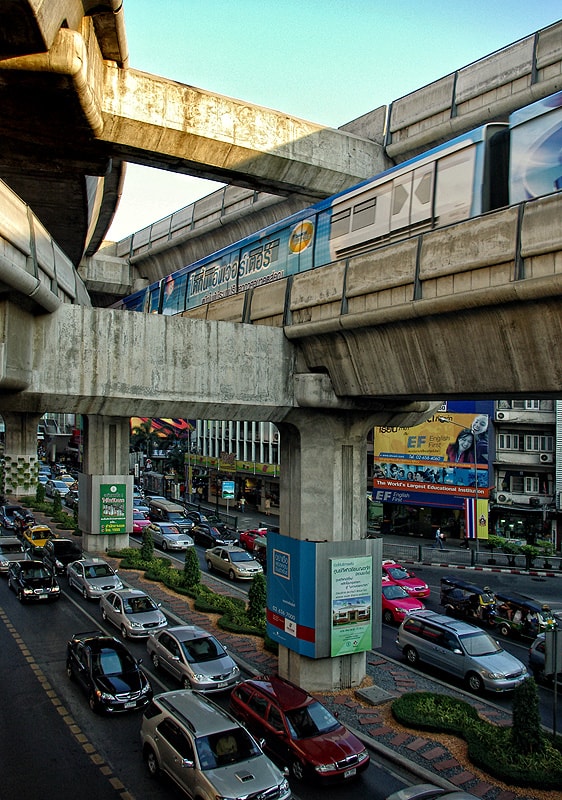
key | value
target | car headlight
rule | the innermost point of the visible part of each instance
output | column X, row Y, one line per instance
column 494, row 676
column 27, row 591
column 58, row 564
column 200, row 677
column 401, row 610
column 235, row 669
column 103, row 695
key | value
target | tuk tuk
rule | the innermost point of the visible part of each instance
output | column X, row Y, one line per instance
column 260, row 551
column 521, row 615
column 467, row 601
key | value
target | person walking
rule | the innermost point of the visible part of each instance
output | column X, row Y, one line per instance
column 439, row 539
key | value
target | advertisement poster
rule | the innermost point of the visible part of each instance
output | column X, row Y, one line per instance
column 352, row 605
column 112, row 508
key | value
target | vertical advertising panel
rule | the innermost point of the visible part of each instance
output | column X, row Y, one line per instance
column 352, row 605
column 113, row 505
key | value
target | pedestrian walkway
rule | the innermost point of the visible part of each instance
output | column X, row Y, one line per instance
column 438, row 759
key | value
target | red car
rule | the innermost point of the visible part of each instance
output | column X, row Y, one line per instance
column 247, row 538
column 396, row 602
column 140, row 521
column 405, row 578
column 298, row 731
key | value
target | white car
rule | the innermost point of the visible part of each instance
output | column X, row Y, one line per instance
column 92, row 577
column 234, row 562
column 55, row 487
column 134, row 612
column 168, row 536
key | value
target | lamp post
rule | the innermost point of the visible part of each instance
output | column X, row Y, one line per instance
column 475, row 514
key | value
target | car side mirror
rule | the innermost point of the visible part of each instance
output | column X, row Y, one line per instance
column 188, row 763
column 457, row 651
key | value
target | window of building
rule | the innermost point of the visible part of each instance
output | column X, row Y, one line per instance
column 539, row 443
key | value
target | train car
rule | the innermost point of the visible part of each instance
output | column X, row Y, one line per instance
column 477, row 172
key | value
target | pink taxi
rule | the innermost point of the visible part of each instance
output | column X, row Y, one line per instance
column 401, row 576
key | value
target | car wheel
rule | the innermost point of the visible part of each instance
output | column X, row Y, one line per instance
column 155, row 660
column 85, row 593
column 10, row 584
column 231, row 574
column 164, row 546
column 151, row 762
column 297, row 770
column 504, row 629
column 124, row 632
column 411, row 656
column 209, row 565
column 475, row 683
column 69, row 671
column 387, row 617
column 93, row 703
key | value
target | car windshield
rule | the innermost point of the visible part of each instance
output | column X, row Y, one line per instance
column 10, row 548
column 204, row 649
column 112, row 662
column 479, row 644
column 310, row 721
column 398, row 573
column 39, row 534
column 394, row 592
column 226, row 747
column 243, row 556
column 63, row 548
column 35, row 571
column 139, row 605
column 98, row 571
column 176, row 516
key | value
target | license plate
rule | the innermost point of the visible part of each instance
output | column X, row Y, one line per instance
column 222, row 684
column 43, row 596
column 129, row 705
column 349, row 773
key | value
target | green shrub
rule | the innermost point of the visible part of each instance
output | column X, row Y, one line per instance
column 147, row 546
column 527, row 735
column 257, row 599
column 191, row 575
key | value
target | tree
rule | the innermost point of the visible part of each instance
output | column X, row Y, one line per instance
column 143, row 438
column 191, row 570
column 147, row 546
column 526, row 732
column 257, row 599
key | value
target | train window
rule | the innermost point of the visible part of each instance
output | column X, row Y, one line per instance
column 153, row 299
column 364, row 214
column 271, row 249
column 339, row 224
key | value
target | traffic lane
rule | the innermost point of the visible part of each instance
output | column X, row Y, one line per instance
column 113, row 741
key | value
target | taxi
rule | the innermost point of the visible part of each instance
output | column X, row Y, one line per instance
column 397, row 603
column 37, row 535
column 398, row 574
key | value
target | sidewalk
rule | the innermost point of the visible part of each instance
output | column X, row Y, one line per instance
column 431, row 758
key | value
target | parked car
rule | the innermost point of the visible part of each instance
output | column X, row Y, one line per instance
column 234, row 562
column 71, row 499
column 7, row 515
column 519, row 615
column 396, row 603
column 537, row 658
column 459, row 649
column 205, row 751
column 92, row 577
column 107, row 672
column 405, row 578
column 428, row 791
column 11, row 549
column 135, row 613
column 32, row 581
column 194, row 657
column 465, row 600
column 168, row 536
column 37, row 536
column 59, row 553
column 247, row 538
column 140, row 521
column 55, row 487
column 298, row 731
column 209, row 536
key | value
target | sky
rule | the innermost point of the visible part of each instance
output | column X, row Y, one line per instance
column 326, row 61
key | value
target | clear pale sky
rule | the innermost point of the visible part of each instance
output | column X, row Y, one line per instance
column 327, row 61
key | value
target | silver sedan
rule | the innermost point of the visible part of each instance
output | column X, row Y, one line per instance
column 234, row 561
column 92, row 577
column 168, row 536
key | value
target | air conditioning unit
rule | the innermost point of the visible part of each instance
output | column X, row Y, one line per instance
column 534, row 501
column 546, row 458
column 505, row 498
column 502, row 415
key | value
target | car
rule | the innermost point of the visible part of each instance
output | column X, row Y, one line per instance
column 197, row 517
column 92, row 577
column 43, row 477
column 38, row 535
column 167, row 511
column 7, row 515
column 32, row 581
column 194, row 657
column 68, row 479
column 396, row 603
column 209, row 536
column 59, row 553
column 297, row 730
column 428, row 791
column 260, row 551
column 107, row 672
column 141, row 504
column 72, row 498
column 134, row 612
column 537, row 659
column 460, row 649
column 234, row 562
column 55, row 487
column 11, row 549
column 22, row 520
column 205, row 751
column 168, row 536
column 247, row 538
column 140, row 521
column 405, row 578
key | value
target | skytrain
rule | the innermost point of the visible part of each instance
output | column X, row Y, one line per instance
column 495, row 165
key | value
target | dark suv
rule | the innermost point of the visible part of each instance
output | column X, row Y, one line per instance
column 59, row 553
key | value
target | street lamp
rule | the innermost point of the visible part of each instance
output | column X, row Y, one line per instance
column 475, row 514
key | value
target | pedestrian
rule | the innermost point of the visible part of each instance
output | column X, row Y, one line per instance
column 242, row 503
column 439, row 538
column 267, row 506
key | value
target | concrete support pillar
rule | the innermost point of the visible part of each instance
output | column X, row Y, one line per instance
column 323, row 498
column 106, row 452
column 20, row 453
